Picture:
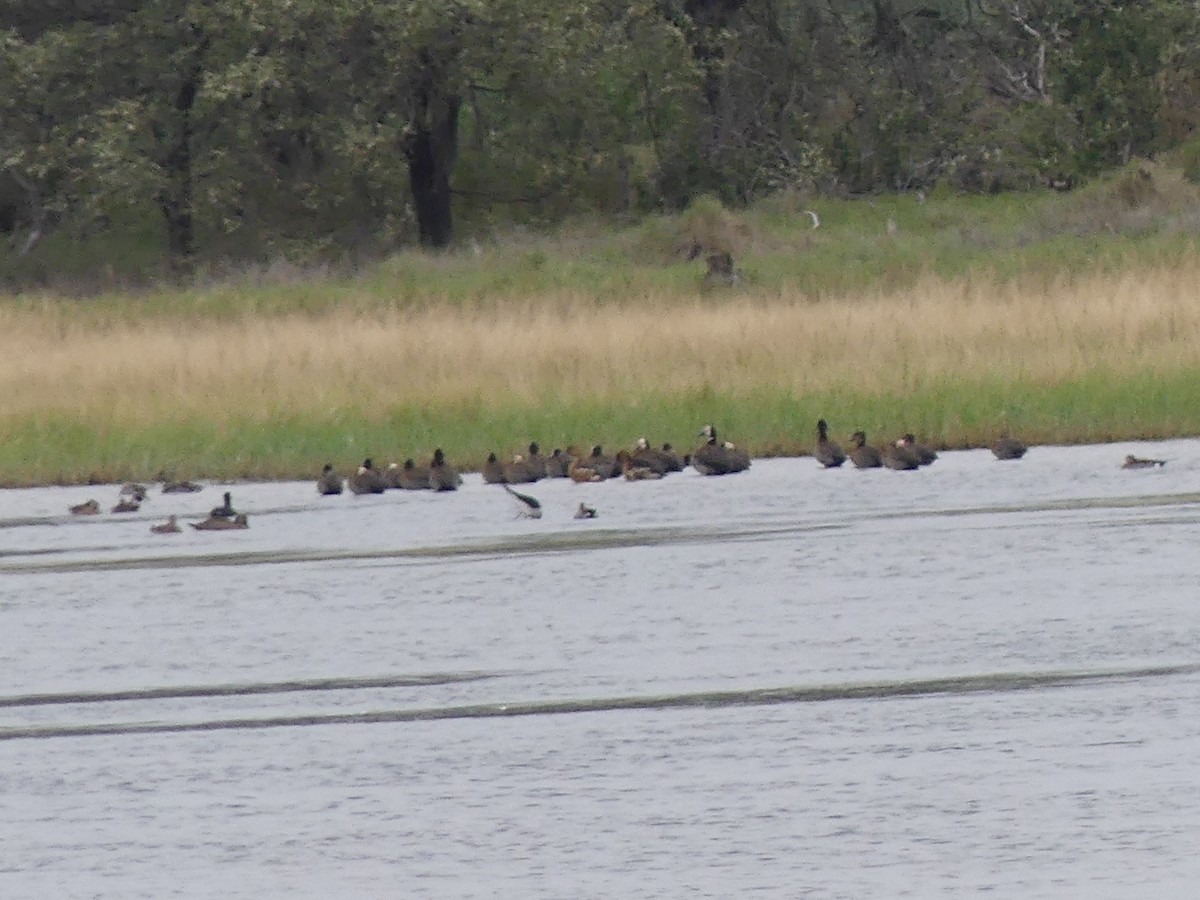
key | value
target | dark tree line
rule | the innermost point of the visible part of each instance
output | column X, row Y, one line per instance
column 241, row 125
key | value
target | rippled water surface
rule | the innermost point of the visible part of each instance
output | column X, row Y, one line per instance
column 978, row 677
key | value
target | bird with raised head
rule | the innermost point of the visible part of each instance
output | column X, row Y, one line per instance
column 225, row 510
column 862, row 454
column 443, row 476
column 828, row 453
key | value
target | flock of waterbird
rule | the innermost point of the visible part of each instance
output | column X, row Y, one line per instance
column 643, row 462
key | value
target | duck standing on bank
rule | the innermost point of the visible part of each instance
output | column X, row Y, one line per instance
column 828, row 453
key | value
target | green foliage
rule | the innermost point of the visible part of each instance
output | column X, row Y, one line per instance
column 343, row 128
column 706, row 226
column 1188, row 157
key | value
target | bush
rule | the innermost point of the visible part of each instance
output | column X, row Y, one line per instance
column 706, row 226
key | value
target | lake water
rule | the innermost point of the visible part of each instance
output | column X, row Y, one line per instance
column 981, row 677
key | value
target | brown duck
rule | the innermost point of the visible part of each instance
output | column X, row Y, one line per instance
column 493, row 470
column 442, row 476
column 329, row 482
column 580, row 468
column 925, row 455
column 604, row 465
column 414, row 477
column 519, row 471
column 862, row 454
column 557, row 464
column 899, row 457
column 367, row 480
column 535, row 462
column 636, row 470
column 171, row 526
column 1008, row 448
column 657, row 460
column 181, row 487
column 218, row 523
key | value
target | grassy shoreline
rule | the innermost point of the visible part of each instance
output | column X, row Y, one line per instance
column 1089, row 410
column 959, row 320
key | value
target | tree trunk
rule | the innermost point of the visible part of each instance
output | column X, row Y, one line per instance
column 175, row 200
column 432, row 150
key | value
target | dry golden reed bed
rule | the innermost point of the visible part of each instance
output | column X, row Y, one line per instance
column 117, row 373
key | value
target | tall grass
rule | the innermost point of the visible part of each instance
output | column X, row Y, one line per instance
column 1063, row 318
column 958, row 360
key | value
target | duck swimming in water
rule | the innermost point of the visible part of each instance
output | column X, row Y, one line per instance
column 1135, row 462
column 530, row 507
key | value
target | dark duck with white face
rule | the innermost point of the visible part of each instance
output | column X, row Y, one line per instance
column 715, row 457
column 368, row 479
